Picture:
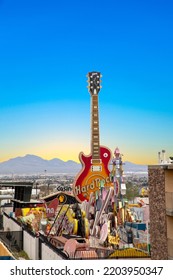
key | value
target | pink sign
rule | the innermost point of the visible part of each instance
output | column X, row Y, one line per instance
column 51, row 207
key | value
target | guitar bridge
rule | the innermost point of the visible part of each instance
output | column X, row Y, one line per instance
column 96, row 168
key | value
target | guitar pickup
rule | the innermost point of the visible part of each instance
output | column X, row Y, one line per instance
column 96, row 161
column 96, row 168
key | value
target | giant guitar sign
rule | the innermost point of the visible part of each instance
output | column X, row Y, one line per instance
column 95, row 172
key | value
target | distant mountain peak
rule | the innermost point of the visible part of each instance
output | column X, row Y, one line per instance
column 31, row 155
column 32, row 164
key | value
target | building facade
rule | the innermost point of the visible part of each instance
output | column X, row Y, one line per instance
column 160, row 180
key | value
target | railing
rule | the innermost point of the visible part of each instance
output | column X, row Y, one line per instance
column 169, row 203
column 170, row 248
column 12, row 239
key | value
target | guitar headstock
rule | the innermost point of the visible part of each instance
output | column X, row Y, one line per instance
column 94, row 82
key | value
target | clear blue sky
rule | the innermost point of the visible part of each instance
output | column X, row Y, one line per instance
column 46, row 50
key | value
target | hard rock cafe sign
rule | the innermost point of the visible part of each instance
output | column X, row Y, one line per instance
column 95, row 167
column 92, row 186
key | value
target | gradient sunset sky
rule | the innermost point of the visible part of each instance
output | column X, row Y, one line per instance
column 46, row 50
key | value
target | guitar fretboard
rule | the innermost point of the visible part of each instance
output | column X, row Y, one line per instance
column 95, row 141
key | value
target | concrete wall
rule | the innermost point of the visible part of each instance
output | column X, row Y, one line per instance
column 158, row 223
column 169, row 180
column 49, row 254
column 30, row 245
column 170, row 236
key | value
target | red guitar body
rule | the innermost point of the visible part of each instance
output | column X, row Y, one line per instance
column 93, row 175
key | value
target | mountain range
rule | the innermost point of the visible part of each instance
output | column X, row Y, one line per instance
column 31, row 164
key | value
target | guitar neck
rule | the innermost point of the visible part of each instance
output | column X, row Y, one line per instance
column 95, row 141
